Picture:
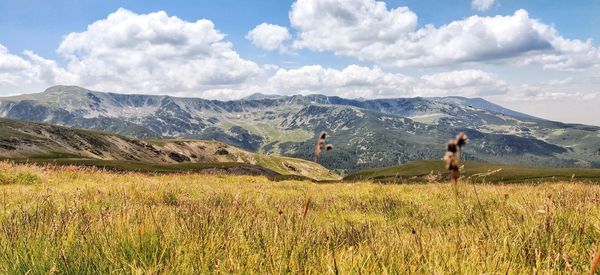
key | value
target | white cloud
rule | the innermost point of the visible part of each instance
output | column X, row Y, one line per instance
column 269, row 37
column 349, row 27
column 356, row 81
column 555, row 82
column 154, row 53
column 465, row 83
column 568, row 55
column 143, row 53
column 353, row 81
column 369, row 31
column 549, row 90
column 482, row 5
column 157, row 53
column 28, row 73
column 461, row 78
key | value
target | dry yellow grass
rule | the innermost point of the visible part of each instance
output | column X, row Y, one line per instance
column 73, row 220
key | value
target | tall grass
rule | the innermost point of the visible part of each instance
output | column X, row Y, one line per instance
column 90, row 221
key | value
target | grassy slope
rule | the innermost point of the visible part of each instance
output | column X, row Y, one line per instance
column 272, row 166
column 131, row 166
column 276, row 164
column 475, row 171
column 6, row 125
column 231, row 168
column 306, row 168
column 78, row 221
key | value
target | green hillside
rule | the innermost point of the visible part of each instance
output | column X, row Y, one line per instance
column 433, row 171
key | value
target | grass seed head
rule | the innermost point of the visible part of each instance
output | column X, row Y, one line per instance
column 320, row 146
column 451, row 147
column 461, row 140
column 452, row 156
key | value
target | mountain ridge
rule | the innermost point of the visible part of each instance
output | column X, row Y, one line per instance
column 366, row 133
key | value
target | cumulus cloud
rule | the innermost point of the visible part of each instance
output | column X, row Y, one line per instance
column 269, row 37
column 352, row 81
column 349, row 27
column 34, row 72
column 482, row 5
column 357, row 81
column 154, row 52
column 29, row 72
column 568, row 55
column 369, row 31
column 158, row 53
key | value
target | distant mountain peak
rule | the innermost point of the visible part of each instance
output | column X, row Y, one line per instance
column 65, row 89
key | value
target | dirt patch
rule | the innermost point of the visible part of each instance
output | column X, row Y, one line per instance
column 221, row 152
column 178, row 157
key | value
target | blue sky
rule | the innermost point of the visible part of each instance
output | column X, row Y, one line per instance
column 40, row 25
column 529, row 55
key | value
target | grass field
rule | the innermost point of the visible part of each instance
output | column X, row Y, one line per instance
column 77, row 220
column 433, row 171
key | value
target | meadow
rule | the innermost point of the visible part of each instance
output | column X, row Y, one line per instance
column 76, row 220
column 480, row 172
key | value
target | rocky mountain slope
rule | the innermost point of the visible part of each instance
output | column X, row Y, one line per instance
column 365, row 133
column 27, row 140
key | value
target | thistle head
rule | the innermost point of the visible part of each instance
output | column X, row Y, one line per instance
column 452, row 156
column 451, row 147
column 461, row 140
column 321, row 145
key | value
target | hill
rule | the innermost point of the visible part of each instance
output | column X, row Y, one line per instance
column 433, row 171
column 38, row 142
column 366, row 133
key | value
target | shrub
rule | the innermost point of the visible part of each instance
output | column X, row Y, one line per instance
column 24, row 178
column 170, row 198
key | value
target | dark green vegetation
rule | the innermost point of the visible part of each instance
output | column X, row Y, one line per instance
column 42, row 143
column 365, row 133
column 20, row 178
column 433, row 171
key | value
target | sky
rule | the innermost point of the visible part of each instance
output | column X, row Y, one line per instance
column 541, row 57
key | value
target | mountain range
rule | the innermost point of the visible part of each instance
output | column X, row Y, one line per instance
column 365, row 133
